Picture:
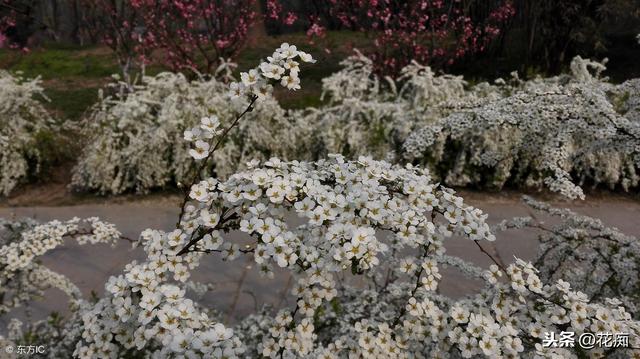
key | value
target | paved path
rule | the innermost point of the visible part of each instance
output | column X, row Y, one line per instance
column 89, row 266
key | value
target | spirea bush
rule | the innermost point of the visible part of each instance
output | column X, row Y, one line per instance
column 347, row 206
column 561, row 133
column 135, row 139
column 366, row 253
column 23, row 241
column 627, row 99
column 23, row 278
column 598, row 260
column 369, row 115
column 23, row 122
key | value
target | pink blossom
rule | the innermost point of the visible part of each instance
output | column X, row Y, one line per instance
column 290, row 19
column 430, row 31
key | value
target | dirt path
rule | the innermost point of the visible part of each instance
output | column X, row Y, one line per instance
column 90, row 266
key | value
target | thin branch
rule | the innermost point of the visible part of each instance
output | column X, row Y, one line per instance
column 202, row 166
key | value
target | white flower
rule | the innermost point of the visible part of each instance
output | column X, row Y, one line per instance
column 263, row 90
column 489, row 346
column 271, row 71
column 192, row 134
column 288, row 51
column 306, row 57
column 291, row 82
column 459, row 314
column 181, row 340
column 250, row 78
column 209, row 219
column 201, row 150
column 237, row 90
column 199, row 192
column 210, row 124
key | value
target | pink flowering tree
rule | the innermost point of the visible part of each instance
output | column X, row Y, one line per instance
column 5, row 23
column 434, row 32
column 194, row 34
column 114, row 23
column 184, row 34
column 16, row 23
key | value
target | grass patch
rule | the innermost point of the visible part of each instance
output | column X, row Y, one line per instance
column 72, row 75
column 71, row 103
column 60, row 63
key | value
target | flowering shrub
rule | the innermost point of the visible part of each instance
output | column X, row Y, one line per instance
column 401, row 312
column 369, row 115
column 597, row 260
column 189, row 34
column 560, row 132
column 548, row 132
column 21, row 242
column 135, row 139
column 384, row 224
column 341, row 202
column 346, row 207
column 22, row 119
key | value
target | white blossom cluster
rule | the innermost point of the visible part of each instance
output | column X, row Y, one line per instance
column 135, row 139
column 255, row 86
column 282, row 66
column 23, row 279
column 22, row 118
column 146, row 310
column 506, row 320
column 597, row 260
column 344, row 204
column 367, row 115
column 23, row 242
column 480, row 135
column 358, row 216
column 560, row 133
column 364, row 241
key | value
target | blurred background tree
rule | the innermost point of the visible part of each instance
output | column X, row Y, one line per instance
column 194, row 34
column 527, row 35
column 487, row 38
column 547, row 34
column 434, row 32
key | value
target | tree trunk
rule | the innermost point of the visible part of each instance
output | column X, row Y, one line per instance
column 257, row 32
